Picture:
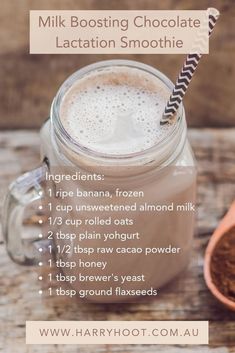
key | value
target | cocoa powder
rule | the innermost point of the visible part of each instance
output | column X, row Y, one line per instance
column 223, row 264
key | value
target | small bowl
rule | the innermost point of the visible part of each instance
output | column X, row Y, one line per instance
column 224, row 226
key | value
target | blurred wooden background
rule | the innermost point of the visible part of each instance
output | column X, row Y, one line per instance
column 29, row 82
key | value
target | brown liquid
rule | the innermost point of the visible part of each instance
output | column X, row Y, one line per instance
column 115, row 111
column 175, row 183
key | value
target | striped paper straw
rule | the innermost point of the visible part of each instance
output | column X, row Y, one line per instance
column 186, row 75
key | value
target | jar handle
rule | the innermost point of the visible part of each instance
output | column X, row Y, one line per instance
column 24, row 190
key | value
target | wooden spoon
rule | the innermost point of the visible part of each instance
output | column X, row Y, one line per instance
column 224, row 226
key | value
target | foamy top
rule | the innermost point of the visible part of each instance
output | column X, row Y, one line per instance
column 115, row 110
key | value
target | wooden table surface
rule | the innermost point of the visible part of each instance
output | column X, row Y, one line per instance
column 185, row 299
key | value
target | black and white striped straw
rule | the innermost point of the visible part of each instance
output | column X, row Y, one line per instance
column 186, row 75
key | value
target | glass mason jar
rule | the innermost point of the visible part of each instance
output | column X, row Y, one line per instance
column 165, row 172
